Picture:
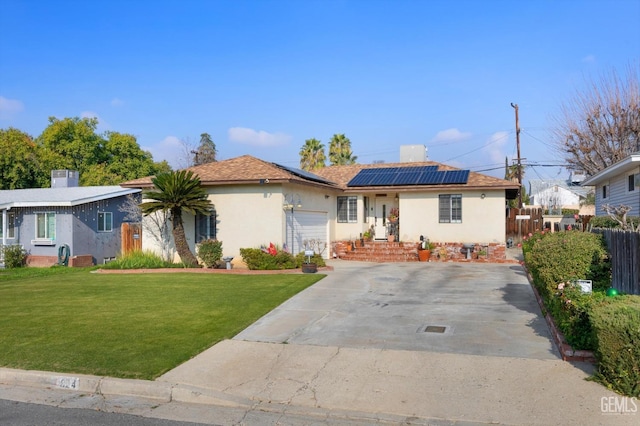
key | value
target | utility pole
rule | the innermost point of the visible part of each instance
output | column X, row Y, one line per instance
column 515, row 106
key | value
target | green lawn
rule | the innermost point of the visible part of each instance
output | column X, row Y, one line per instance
column 134, row 325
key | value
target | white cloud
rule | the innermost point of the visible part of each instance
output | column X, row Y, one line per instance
column 9, row 107
column 102, row 125
column 589, row 59
column 451, row 135
column 117, row 102
column 494, row 146
column 257, row 138
column 170, row 148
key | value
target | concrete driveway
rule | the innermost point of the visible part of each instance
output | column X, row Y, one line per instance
column 477, row 309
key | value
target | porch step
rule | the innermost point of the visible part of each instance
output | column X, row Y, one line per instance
column 379, row 251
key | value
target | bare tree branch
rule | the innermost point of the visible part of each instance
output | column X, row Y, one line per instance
column 601, row 125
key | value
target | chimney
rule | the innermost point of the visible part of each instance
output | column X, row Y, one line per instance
column 64, row 178
column 413, row 153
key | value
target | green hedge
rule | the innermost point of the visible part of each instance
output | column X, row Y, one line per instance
column 559, row 257
column 608, row 222
column 261, row 259
column 610, row 326
column 616, row 327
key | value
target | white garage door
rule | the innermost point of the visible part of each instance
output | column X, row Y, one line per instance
column 307, row 227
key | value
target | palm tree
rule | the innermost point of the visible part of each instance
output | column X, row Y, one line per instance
column 312, row 155
column 178, row 192
column 340, row 150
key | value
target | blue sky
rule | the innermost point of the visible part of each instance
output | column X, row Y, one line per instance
column 261, row 77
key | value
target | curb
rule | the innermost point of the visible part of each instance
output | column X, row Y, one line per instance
column 109, row 386
column 164, row 392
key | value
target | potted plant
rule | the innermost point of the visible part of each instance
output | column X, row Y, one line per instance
column 394, row 214
column 424, row 249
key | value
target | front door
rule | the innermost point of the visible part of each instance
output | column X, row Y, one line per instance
column 381, row 209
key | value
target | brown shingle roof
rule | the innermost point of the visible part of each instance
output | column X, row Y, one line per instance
column 238, row 170
column 250, row 170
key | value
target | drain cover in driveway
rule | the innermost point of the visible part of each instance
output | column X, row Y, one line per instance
column 439, row 329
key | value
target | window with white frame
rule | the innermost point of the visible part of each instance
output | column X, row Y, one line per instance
column 347, row 209
column 105, row 222
column 46, row 226
column 605, row 191
column 450, row 208
column 206, row 227
column 11, row 231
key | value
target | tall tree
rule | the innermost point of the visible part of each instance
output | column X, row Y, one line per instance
column 177, row 193
column 101, row 159
column 601, row 125
column 18, row 161
column 206, row 152
column 125, row 158
column 312, row 156
column 71, row 143
column 340, row 150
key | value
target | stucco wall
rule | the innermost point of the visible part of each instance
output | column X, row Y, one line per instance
column 252, row 215
column 483, row 220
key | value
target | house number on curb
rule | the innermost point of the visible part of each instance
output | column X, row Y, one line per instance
column 68, row 382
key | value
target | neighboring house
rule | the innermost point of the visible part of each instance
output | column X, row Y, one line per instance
column 618, row 184
column 554, row 195
column 257, row 202
column 85, row 218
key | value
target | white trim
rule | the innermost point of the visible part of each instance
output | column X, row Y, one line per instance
column 612, row 171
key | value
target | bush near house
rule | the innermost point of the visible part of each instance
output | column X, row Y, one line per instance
column 609, row 222
column 210, row 252
column 274, row 259
column 14, row 256
column 143, row 260
column 610, row 326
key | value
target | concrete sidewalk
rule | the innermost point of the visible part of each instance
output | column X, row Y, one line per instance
column 297, row 365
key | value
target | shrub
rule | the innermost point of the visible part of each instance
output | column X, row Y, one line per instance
column 609, row 222
column 316, row 258
column 616, row 326
column 570, row 309
column 566, row 256
column 262, row 260
column 14, row 256
column 138, row 260
column 210, row 252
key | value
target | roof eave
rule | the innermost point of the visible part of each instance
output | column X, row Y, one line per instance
column 613, row 170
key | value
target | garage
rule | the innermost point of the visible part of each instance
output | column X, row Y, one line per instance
column 307, row 227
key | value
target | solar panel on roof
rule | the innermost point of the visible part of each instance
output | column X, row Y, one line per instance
column 456, row 176
column 303, row 174
column 431, row 178
column 398, row 176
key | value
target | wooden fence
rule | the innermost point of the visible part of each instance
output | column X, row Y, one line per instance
column 521, row 222
column 624, row 250
column 131, row 234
